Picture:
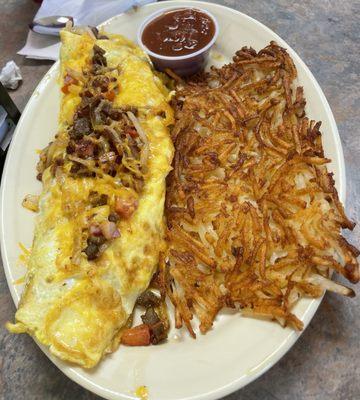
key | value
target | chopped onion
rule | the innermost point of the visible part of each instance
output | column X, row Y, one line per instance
column 116, row 234
column 86, row 163
column 107, row 157
column 77, row 247
column 145, row 150
column 330, row 285
column 90, row 32
column 60, row 175
column 95, row 230
column 98, row 119
column 109, row 230
column 114, row 135
column 31, row 202
column 74, row 74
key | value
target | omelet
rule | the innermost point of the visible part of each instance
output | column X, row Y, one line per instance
column 100, row 224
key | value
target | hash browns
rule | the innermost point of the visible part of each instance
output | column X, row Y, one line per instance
column 253, row 216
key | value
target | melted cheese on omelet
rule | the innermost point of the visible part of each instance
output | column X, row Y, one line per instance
column 78, row 309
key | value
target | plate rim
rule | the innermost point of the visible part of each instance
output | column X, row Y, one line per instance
column 293, row 336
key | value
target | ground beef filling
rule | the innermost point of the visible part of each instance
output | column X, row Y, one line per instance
column 103, row 140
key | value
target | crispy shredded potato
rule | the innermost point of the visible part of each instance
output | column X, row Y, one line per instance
column 253, row 215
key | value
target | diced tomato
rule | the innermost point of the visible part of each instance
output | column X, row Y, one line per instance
column 137, row 336
column 65, row 89
column 68, row 80
column 110, row 95
column 132, row 132
column 125, row 207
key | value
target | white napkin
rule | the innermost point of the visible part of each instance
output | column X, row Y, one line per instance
column 84, row 12
column 10, row 75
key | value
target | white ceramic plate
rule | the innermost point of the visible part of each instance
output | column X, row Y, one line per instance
column 237, row 350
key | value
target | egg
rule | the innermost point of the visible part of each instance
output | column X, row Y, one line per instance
column 78, row 309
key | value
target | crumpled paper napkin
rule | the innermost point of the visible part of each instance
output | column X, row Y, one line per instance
column 10, row 75
column 84, row 12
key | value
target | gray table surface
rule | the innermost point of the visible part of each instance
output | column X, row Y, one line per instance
column 325, row 362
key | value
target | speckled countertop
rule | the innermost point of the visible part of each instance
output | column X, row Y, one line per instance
column 325, row 362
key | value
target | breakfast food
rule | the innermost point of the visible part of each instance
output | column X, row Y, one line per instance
column 100, row 225
column 253, row 215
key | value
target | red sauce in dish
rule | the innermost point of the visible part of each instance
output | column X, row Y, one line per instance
column 179, row 32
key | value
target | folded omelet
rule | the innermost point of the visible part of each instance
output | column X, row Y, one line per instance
column 100, row 225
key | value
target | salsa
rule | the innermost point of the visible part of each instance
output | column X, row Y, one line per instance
column 179, row 32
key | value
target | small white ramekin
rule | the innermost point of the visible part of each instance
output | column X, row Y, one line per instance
column 183, row 65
